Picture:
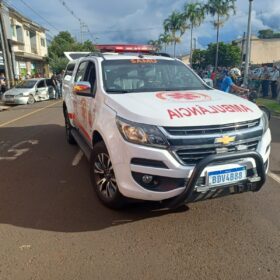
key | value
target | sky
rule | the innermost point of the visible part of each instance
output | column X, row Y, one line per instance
column 138, row 21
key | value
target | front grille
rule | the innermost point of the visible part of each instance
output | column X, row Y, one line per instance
column 192, row 156
column 213, row 129
column 9, row 96
column 191, row 144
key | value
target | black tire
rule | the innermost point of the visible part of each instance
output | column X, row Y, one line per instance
column 31, row 99
column 103, row 178
column 68, row 130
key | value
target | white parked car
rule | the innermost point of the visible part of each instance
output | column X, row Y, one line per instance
column 153, row 130
column 27, row 92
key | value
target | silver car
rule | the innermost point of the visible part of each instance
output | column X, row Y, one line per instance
column 27, row 92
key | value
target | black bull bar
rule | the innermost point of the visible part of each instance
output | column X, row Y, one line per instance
column 185, row 196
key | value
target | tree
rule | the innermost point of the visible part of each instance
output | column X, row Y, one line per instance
column 175, row 25
column 268, row 34
column 195, row 14
column 230, row 55
column 165, row 39
column 156, row 44
column 221, row 9
column 61, row 43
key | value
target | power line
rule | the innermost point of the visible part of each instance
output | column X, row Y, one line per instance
column 83, row 25
column 38, row 14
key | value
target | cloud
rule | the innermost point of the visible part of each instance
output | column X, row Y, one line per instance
column 130, row 21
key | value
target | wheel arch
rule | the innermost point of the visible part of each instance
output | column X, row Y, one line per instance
column 97, row 137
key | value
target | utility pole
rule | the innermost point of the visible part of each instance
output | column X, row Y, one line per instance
column 248, row 45
column 82, row 30
column 194, row 39
column 9, row 73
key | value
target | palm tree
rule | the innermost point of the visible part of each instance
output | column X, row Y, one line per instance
column 175, row 24
column 195, row 14
column 156, row 44
column 166, row 39
column 221, row 9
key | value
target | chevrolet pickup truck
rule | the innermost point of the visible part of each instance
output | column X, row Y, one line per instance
column 154, row 130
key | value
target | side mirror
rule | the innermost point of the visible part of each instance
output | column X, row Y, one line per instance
column 82, row 88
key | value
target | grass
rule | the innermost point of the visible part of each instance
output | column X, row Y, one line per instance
column 272, row 105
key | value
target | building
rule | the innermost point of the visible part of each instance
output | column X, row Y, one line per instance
column 263, row 51
column 27, row 41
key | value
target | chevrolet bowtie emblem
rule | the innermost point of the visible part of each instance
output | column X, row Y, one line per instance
column 225, row 140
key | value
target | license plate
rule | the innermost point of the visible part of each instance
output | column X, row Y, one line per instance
column 226, row 177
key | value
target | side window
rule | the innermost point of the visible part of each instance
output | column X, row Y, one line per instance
column 41, row 84
column 69, row 70
column 91, row 76
column 80, row 76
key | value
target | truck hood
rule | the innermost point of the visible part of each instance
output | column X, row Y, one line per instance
column 16, row 91
column 183, row 108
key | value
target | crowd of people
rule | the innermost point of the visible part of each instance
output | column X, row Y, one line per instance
column 264, row 80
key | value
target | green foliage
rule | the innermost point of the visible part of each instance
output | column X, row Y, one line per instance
column 61, row 43
column 230, row 55
column 194, row 13
column 165, row 39
column 157, row 44
column 268, row 34
column 176, row 26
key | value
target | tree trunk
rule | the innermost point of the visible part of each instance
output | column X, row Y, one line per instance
column 217, row 42
column 174, row 48
column 191, row 45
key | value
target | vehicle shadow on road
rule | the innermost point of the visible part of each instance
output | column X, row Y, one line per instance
column 40, row 188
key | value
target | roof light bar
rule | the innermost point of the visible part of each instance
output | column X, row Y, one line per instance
column 126, row 48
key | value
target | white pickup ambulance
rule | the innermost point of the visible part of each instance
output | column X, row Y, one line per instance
column 153, row 130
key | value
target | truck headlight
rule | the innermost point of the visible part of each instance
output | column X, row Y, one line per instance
column 265, row 122
column 141, row 134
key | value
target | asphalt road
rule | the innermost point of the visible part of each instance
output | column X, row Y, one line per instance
column 53, row 227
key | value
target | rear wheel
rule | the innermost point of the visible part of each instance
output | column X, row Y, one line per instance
column 31, row 99
column 68, row 130
column 103, row 178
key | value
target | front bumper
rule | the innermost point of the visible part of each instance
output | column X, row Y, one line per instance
column 122, row 153
column 16, row 100
column 251, row 184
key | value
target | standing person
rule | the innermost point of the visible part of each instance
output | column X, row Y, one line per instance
column 274, row 78
column 54, row 83
column 2, row 83
column 265, row 76
column 59, row 78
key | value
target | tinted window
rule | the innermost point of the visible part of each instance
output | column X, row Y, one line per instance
column 80, row 76
column 70, row 69
column 148, row 75
column 90, row 75
column 41, row 84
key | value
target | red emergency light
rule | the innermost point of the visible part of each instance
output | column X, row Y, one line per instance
column 126, row 48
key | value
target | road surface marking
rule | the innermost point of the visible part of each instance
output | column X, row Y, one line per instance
column 29, row 114
column 274, row 177
column 77, row 158
column 16, row 151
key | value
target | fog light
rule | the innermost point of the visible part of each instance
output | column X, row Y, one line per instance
column 147, row 179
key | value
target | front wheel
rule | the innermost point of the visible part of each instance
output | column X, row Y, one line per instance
column 103, row 178
column 68, row 130
column 31, row 99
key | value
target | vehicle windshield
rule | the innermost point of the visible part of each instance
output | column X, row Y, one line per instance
column 148, row 75
column 26, row 84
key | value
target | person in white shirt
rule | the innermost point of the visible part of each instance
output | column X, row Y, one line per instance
column 274, row 78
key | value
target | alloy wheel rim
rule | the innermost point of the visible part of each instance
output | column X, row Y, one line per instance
column 105, row 177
